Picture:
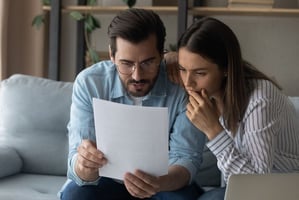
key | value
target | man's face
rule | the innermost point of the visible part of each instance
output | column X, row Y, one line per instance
column 137, row 64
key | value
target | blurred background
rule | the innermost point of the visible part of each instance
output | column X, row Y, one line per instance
column 270, row 42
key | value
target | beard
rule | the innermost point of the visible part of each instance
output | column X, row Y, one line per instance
column 139, row 88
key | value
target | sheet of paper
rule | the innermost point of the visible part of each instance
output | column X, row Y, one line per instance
column 131, row 137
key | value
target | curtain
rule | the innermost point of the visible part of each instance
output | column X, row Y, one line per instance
column 22, row 46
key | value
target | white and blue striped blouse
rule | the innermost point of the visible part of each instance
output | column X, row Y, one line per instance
column 267, row 140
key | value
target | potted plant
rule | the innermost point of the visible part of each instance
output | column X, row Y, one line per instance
column 91, row 23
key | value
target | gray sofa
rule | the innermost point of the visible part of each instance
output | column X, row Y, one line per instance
column 33, row 139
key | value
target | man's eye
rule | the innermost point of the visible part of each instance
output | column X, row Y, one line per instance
column 201, row 73
column 126, row 64
column 147, row 63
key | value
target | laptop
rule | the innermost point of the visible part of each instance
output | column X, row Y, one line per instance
column 277, row 186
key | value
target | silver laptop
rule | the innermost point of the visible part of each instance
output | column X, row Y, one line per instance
column 263, row 187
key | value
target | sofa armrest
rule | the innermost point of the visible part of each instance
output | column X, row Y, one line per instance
column 11, row 163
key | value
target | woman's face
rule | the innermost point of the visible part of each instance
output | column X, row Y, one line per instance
column 199, row 73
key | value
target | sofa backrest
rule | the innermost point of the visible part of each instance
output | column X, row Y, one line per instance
column 34, row 113
column 295, row 101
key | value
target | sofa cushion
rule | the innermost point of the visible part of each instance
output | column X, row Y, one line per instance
column 295, row 101
column 34, row 113
column 31, row 187
column 10, row 160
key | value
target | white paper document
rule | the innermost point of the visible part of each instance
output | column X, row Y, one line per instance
column 131, row 137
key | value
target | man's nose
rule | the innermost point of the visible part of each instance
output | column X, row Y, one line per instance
column 136, row 75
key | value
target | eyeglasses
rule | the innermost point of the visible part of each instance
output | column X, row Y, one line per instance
column 127, row 68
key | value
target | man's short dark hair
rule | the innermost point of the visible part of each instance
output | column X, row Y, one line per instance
column 136, row 25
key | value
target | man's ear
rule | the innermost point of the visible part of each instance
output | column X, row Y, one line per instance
column 171, row 61
column 110, row 55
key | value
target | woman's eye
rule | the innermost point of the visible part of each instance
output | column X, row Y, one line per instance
column 181, row 68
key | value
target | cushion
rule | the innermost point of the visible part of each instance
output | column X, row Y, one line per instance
column 31, row 187
column 11, row 162
column 34, row 113
column 295, row 101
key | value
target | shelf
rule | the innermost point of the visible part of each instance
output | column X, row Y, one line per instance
column 113, row 9
column 192, row 10
column 182, row 11
column 243, row 11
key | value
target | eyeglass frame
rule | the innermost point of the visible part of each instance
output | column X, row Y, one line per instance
column 149, row 63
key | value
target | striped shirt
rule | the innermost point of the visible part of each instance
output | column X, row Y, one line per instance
column 267, row 139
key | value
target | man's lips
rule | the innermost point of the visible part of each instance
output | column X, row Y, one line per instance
column 138, row 85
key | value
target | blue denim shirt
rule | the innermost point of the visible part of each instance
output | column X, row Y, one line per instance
column 102, row 81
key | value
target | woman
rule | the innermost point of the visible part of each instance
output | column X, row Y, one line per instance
column 250, row 124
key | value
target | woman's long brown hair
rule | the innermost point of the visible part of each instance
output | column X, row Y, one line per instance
column 215, row 41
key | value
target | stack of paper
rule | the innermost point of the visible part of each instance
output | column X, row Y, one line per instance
column 131, row 137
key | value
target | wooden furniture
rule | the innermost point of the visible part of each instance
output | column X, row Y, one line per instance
column 183, row 10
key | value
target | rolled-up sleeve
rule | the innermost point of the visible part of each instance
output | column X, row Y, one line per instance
column 186, row 145
column 80, row 127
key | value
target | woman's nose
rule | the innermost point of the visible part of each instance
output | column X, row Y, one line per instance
column 188, row 80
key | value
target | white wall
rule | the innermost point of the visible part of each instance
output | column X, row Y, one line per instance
column 270, row 43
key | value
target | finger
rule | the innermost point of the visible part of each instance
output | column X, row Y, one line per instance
column 189, row 108
column 192, row 103
column 90, row 164
column 88, row 155
column 133, row 185
column 197, row 98
column 152, row 181
column 91, row 147
column 201, row 98
column 85, row 166
column 205, row 96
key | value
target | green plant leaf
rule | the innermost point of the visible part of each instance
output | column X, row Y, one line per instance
column 38, row 21
column 91, row 2
column 130, row 3
column 93, row 55
column 89, row 27
column 96, row 22
column 76, row 15
column 46, row 2
column 91, row 23
column 172, row 47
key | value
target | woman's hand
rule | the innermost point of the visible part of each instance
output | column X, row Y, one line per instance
column 203, row 114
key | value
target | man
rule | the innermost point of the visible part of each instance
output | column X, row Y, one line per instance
column 135, row 76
